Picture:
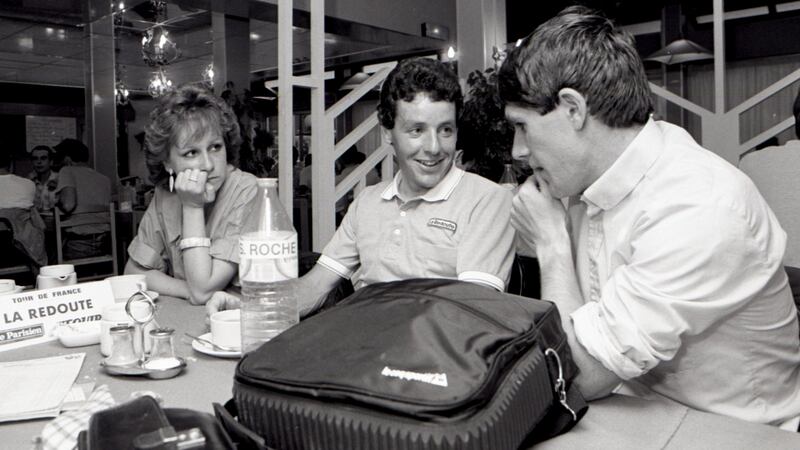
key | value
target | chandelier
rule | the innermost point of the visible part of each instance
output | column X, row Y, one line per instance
column 208, row 76
column 157, row 48
column 159, row 84
column 121, row 93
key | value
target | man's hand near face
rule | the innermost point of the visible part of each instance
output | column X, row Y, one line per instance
column 540, row 219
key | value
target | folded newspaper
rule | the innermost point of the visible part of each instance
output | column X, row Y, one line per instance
column 37, row 388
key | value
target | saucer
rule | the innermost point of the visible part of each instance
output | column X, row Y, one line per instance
column 209, row 350
column 17, row 290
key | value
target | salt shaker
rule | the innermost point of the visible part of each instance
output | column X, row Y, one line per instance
column 162, row 354
column 122, row 352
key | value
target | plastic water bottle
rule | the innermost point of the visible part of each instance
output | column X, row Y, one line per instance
column 267, row 259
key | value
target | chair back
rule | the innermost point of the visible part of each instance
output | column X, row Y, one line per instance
column 775, row 170
column 104, row 217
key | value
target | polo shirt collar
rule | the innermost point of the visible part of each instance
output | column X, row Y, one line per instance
column 627, row 171
column 439, row 192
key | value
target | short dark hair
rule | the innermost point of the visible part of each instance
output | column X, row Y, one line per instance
column 176, row 109
column 75, row 149
column 46, row 148
column 414, row 76
column 583, row 50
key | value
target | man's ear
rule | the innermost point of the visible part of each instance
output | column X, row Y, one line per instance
column 574, row 104
column 459, row 155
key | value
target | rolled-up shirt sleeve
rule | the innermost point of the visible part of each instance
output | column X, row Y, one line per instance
column 486, row 253
column 148, row 247
column 341, row 255
column 690, row 266
column 240, row 217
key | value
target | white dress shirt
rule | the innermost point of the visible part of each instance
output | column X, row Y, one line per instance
column 679, row 259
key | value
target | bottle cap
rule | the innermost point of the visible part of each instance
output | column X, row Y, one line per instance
column 160, row 332
column 121, row 329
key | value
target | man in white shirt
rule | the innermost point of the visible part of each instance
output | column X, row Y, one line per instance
column 82, row 189
column 666, row 266
column 18, row 192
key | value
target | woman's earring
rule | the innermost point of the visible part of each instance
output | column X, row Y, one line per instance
column 171, row 180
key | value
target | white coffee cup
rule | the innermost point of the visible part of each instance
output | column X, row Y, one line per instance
column 58, row 270
column 51, row 281
column 7, row 286
column 226, row 328
column 123, row 286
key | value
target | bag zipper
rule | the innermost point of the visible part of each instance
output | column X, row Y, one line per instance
column 560, row 385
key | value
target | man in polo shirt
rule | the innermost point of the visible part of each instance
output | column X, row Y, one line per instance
column 433, row 219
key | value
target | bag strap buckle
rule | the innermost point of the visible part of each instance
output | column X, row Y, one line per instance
column 560, row 386
column 167, row 438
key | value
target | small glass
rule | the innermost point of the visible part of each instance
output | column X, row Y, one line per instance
column 122, row 352
column 508, row 180
column 162, row 354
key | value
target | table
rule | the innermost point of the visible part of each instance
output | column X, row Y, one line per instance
column 205, row 380
column 618, row 422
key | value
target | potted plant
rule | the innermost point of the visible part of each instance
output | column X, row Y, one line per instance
column 484, row 135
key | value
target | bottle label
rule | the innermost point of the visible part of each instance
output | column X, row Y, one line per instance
column 268, row 258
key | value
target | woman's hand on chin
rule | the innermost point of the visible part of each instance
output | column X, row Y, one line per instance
column 193, row 189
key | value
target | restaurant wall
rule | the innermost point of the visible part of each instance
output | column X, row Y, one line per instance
column 743, row 80
column 18, row 100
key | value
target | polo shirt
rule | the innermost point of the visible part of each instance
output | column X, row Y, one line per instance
column 679, row 259
column 459, row 229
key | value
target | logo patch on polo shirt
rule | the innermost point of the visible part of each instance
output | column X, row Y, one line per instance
column 442, row 223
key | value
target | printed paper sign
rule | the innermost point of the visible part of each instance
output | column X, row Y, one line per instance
column 29, row 318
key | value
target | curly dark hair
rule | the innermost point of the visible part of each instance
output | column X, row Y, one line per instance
column 580, row 49
column 413, row 76
column 192, row 106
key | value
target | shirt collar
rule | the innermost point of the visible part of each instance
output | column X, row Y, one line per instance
column 627, row 171
column 440, row 192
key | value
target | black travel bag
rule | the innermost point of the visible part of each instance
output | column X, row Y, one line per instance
column 414, row 364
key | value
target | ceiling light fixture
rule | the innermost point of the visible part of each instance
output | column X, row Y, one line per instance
column 157, row 48
column 208, row 76
column 159, row 84
column 680, row 51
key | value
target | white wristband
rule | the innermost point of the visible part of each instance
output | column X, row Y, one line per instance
column 194, row 242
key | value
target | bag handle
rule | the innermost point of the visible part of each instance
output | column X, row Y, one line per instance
column 244, row 438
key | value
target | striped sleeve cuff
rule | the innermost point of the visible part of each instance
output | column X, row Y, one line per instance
column 593, row 334
column 334, row 266
column 484, row 278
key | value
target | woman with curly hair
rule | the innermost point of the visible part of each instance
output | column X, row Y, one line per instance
column 187, row 243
